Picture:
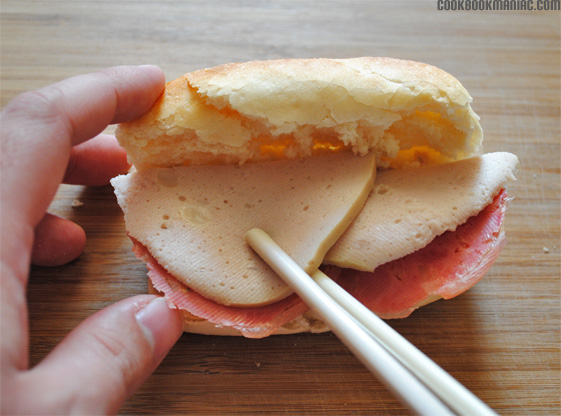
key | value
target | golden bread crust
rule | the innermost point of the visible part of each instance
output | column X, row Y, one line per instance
column 292, row 108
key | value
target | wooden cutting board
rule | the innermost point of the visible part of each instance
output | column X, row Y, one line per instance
column 501, row 339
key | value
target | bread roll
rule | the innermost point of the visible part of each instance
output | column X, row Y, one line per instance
column 291, row 108
column 405, row 113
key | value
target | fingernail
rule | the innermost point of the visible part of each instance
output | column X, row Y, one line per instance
column 159, row 325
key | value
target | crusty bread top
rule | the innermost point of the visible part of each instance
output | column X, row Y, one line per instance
column 296, row 107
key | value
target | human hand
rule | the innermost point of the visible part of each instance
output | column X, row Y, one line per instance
column 44, row 140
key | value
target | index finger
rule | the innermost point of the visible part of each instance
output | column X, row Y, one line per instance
column 39, row 128
column 82, row 106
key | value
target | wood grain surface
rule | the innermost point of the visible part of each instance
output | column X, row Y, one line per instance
column 501, row 339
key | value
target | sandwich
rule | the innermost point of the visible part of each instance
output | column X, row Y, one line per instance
column 368, row 168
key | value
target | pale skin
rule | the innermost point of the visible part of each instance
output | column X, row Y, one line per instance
column 50, row 136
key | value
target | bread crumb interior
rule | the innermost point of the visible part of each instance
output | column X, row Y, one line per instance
column 189, row 129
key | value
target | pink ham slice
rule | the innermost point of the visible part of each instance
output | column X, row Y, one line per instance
column 448, row 266
column 256, row 322
column 451, row 264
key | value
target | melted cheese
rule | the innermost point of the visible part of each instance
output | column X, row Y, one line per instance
column 193, row 219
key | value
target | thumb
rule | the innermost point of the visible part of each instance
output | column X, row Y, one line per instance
column 104, row 360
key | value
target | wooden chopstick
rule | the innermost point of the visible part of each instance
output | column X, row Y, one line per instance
column 372, row 354
column 439, row 381
column 407, row 372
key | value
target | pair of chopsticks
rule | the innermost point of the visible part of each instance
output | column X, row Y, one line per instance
column 413, row 377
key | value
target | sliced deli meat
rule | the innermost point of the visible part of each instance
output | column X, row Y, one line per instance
column 255, row 322
column 192, row 219
column 451, row 264
column 408, row 208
